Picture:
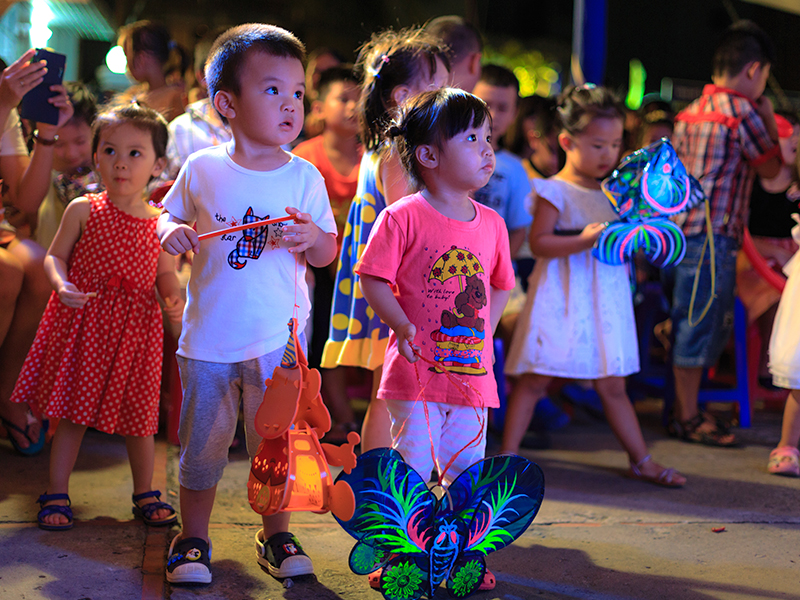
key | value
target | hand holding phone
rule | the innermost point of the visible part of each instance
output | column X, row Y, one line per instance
column 35, row 104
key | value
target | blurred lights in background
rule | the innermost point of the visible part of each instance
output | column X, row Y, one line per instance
column 116, row 61
column 536, row 73
column 41, row 16
column 636, row 79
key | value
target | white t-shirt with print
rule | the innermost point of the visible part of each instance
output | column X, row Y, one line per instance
column 243, row 285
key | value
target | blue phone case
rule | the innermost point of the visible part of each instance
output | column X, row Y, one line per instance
column 35, row 105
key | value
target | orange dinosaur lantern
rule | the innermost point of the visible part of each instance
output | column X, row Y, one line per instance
column 290, row 471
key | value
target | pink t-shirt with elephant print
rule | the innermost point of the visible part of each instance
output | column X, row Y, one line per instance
column 442, row 270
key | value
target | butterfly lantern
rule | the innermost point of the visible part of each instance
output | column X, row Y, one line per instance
column 290, row 471
column 649, row 186
column 416, row 541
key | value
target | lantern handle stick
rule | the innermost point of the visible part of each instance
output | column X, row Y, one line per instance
column 254, row 225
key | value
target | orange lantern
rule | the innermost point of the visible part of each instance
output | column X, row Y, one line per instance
column 290, row 471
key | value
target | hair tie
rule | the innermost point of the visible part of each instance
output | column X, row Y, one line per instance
column 172, row 45
column 396, row 131
column 376, row 71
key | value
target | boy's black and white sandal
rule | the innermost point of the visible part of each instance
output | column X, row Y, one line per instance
column 282, row 555
column 189, row 561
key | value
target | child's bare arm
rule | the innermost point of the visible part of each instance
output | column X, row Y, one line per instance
column 516, row 237
column 57, row 258
column 175, row 235
column 499, row 299
column 546, row 244
column 169, row 288
column 319, row 246
column 383, row 301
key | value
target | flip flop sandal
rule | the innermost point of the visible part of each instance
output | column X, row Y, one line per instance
column 145, row 511
column 33, row 448
column 688, row 431
column 53, row 509
column 784, row 460
column 664, row 478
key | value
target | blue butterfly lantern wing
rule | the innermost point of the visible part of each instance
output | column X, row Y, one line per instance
column 622, row 187
column 652, row 182
column 666, row 187
column 662, row 241
column 394, row 514
column 498, row 499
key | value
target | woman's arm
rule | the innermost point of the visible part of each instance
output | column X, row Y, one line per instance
column 35, row 182
column 546, row 244
column 382, row 300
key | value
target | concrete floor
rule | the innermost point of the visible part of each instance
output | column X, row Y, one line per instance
column 598, row 535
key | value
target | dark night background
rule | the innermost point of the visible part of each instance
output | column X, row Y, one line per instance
column 672, row 39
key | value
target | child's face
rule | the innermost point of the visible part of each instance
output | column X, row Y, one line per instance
column 73, row 148
column 268, row 110
column 594, row 151
column 466, row 161
column 338, row 109
column 502, row 103
column 127, row 160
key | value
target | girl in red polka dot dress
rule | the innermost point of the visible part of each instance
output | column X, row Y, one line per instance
column 96, row 359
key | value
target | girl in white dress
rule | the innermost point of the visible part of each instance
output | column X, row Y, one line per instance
column 578, row 321
column 784, row 365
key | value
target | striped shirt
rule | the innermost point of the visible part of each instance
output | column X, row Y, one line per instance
column 721, row 139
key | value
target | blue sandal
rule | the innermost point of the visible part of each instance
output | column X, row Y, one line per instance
column 53, row 509
column 145, row 512
column 34, row 447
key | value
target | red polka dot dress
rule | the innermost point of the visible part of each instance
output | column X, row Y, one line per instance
column 100, row 365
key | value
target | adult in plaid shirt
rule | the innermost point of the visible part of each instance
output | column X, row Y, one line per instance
column 724, row 138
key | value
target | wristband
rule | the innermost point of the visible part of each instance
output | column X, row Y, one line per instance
column 44, row 141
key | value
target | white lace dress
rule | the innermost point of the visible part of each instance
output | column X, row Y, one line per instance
column 784, row 345
column 578, row 318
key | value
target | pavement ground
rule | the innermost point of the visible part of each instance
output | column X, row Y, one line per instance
column 598, row 534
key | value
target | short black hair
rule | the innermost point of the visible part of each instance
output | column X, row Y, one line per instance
column 433, row 117
column 344, row 73
column 499, row 76
column 154, row 38
column 460, row 36
column 743, row 42
column 83, row 102
column 140, row 116
column 224, row 65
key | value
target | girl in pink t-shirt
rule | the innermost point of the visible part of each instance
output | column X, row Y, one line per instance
column 447, row 258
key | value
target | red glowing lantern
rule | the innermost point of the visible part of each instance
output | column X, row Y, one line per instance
column 290, row 471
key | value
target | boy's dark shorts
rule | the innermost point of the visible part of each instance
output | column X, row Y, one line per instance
column 702, row 345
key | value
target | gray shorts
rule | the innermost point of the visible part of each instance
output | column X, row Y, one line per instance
column 212, row 393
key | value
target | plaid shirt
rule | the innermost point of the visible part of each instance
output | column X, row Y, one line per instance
column 721, row 139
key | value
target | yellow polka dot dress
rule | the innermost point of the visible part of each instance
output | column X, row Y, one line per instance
column 357, row 337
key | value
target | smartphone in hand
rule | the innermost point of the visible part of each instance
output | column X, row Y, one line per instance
column 35, row 105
